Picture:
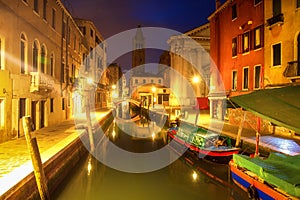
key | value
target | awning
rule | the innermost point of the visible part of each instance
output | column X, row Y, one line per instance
column 281, row 106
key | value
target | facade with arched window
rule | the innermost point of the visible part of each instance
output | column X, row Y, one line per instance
column 41, row 50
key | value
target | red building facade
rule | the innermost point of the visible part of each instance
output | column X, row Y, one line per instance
column 237, row 41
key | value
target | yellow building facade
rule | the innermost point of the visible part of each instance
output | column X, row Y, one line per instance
column 282, row 42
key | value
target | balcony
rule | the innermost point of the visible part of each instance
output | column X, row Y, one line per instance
column 277, row 19
column 41, row 83
column 292, row 71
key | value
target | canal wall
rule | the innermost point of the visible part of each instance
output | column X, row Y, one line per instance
column 58, row 167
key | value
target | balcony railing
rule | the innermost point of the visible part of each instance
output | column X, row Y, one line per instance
column 275, row 19
column 41, row 82
column 292, row 71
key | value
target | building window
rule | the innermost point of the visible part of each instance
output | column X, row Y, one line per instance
column 51, row 70
column 2, row 112
column 234, row 47
column 35, row 53
column 136, row 81
column 298, row 4
column 43, row 59
column 276, row 49
column 245, row 44
column 69, row 36
column 92, row 33
column 245, row 78
column 257, row 75
column 45, row 9
column 144, row 81
column 63, row 103
column 234, row 80
column 234, row 12
column 257, row 2
column 91, row 53
column 159, row 81
column 63, row 31
column 23, row 50
column 36, row 6
column 51, row 105
column 53, row 18
column 152, row 81
column 83, row 29
column 276, row 7
column 258, row 37
column 62, row 69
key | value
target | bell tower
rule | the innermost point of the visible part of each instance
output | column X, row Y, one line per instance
column 138, row 53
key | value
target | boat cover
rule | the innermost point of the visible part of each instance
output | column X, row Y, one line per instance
column 280, row 170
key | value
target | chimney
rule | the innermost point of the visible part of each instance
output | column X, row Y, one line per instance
column 218, row 4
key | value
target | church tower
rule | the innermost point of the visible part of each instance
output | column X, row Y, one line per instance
column 138, row 53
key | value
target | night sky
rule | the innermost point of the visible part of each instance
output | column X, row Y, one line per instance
column 114, row 16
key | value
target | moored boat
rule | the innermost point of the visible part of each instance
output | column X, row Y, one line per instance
column 206, row 144
column 275, row 177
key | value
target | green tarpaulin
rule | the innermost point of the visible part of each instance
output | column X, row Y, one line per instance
column 280, row 170
column 281, row 106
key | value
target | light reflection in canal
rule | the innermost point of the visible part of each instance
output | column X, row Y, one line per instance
column 180, row 180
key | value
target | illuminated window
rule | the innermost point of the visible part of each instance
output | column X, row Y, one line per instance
column 234, row 80
column 2, row 113
column 245, row 78
column 276, row 51
column 257, row 74
column 258, row 37
column 234, row 12
column 246, row 42
column 234, row 47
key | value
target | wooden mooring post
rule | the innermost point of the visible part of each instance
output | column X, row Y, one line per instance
column 35, row 159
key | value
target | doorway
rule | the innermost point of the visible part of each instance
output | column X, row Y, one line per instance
column 42, row 114
column 33, row 114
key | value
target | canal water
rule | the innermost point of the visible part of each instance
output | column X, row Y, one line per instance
column 186, row 178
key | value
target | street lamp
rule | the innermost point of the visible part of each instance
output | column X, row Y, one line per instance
column 196, row 79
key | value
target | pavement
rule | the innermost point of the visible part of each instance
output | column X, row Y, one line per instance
column 15, row 163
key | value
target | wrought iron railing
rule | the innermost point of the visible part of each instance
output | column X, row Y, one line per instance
column 275, row 19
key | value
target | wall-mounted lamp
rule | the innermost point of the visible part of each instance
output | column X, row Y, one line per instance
column 250, row 22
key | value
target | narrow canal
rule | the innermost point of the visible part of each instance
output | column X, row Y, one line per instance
column 186, row 178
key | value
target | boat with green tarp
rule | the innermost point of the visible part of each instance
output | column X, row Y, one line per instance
column 275, row 177
column 206, row 144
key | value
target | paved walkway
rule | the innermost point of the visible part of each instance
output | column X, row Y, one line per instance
column 15, row 162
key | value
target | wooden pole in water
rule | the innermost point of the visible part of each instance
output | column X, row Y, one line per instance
column 238, row 137
column 89, row 121
column 35, row 159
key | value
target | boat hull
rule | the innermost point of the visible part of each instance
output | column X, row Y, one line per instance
column 255, row 188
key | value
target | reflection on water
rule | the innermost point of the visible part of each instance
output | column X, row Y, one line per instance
column 180, row 180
